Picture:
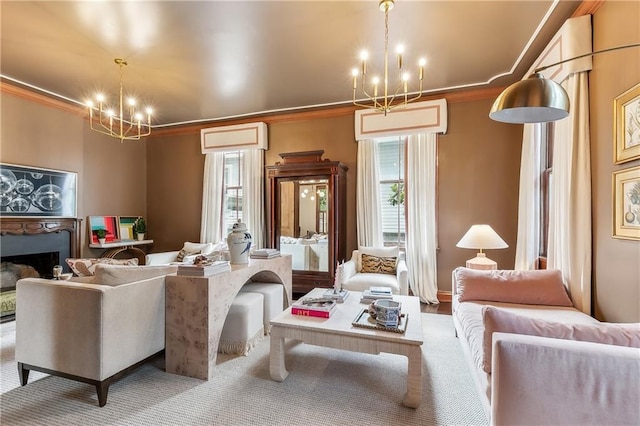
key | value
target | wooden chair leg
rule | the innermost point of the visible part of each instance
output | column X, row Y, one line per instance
column 102, row 389
column 23, row 373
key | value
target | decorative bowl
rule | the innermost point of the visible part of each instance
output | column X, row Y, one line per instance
column 66, row 276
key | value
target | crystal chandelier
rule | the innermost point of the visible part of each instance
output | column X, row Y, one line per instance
column 113, row 122
column 400, row 97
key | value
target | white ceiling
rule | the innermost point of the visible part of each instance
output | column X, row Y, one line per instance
column 208, row 60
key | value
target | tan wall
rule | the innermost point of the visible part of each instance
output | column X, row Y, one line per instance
column 111, row 175
column 478, row 179
column 616, row 263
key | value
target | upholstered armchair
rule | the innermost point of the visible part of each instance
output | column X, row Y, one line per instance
column 375, row 266
column 186, row 254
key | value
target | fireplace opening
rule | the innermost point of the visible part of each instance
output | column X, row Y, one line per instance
column 31, row 265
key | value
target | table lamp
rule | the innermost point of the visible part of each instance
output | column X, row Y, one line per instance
column 481, row 237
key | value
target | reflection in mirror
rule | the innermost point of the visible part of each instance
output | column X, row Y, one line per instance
column 304, row 223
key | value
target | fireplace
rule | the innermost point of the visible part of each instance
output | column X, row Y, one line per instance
column 31, row 247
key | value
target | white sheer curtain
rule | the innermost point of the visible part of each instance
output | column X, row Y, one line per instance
column 212, row 198
column 528, row 239
column 369, row 222
column 570, row 197
column 421, row 216
column 253, row 195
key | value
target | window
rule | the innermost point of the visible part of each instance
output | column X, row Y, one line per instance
column 233, row 168
column 391, row 163
column 546, row 167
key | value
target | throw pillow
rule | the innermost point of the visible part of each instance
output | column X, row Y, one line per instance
column 378, row 265
column 115, row 275
column 540, row 287
column 184, row 253
column 204, row 248
column 87, row 267
column 374, row 251
column 501, row 320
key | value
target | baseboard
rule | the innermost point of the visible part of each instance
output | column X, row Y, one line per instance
column 444, row 296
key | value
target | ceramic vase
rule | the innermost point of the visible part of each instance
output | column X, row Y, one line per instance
column 239, row 242
column 140, row 237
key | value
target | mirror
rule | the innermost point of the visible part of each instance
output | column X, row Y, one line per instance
column 307, row 215
column 304, row 223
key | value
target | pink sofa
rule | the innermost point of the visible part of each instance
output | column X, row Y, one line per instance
column 536, row 359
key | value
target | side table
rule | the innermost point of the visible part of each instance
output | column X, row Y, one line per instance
column 118, row 246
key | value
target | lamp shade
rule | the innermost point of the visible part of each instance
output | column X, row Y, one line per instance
column 533, row 100
column 481, row 237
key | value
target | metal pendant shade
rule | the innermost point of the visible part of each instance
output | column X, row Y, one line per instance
column 533, row 100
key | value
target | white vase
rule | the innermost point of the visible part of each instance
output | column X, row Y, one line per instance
column 239, row 242
column 140, row 237
column 102, row 240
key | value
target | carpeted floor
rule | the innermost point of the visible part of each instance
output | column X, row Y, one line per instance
column 325, row 386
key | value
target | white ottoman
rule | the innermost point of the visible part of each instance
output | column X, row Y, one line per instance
column 273, row 294
column 243, row 327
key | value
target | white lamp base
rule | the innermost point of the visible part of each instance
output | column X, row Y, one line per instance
column 481, row 261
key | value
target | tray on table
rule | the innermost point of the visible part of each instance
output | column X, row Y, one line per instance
column 364, row 320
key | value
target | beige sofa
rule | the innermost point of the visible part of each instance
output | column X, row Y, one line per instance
column 91, row 329
column 536, row 359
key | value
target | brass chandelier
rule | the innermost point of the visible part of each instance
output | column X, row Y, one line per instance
column 111, row 121
column 386, row 101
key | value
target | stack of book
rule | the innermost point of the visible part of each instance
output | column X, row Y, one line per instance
column 376, row 293
column 204, row 270
column 267, row 253
column 338, row 296
column 314, row 307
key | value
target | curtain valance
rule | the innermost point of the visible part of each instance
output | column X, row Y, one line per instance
column 416, row 118
column 234, row 138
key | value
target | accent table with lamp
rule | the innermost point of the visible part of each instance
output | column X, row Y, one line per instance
column 481, row 237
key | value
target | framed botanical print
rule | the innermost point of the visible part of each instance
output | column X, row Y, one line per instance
column 626, row 204
column 626, row 126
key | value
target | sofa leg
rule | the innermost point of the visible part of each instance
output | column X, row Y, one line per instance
column 23, row 373
column 102, row 389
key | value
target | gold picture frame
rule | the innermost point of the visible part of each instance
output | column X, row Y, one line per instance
column 626, row 126
column 626, row 204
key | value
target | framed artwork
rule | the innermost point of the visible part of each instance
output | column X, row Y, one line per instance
column 35, row 192
column 109, row 223
column 125, row 227
column 626, row 127
column 626, row 204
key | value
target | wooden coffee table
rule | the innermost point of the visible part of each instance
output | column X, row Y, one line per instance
column 337, row 332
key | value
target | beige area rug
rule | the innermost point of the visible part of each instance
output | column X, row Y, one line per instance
column 324, row 387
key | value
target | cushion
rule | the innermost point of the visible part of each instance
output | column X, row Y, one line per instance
column 375, row 251
column 378, row 265
column 115, row 275
column 203, row 248
column 87, row 267
column 501, row 320
column 182, row 254
column 540, row 287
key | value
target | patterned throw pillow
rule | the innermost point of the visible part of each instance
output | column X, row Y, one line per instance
column 184, row 253
column 378, row 265
column 87, row 267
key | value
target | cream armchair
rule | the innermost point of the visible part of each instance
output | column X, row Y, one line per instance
column 93, row 330
column 375, row 266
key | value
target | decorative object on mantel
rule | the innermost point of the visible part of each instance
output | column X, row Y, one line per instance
column 102, row 235
column 481, row 237
column 385, row 103
column 112, row 122
column 537, row 99
column 140, row 228
column 107, row 223
column 239, row 242
column 30, row 191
